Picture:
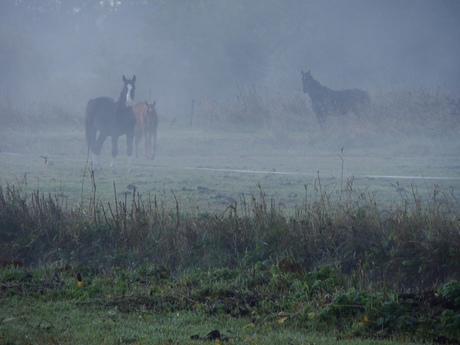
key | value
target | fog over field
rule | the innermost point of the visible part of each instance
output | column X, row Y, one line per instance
column 305, row 181
column 69, row 51
column 239, row 63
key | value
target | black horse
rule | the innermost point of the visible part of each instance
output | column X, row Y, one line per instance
column 327, row 102
column 112, row 119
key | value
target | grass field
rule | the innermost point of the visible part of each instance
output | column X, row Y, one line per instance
column 207, row 170
column 253, row 221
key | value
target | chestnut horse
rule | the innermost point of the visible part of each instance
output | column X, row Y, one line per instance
column 325, row 101
column 111, row 119
column 146, row 127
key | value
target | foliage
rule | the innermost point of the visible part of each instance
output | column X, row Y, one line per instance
column 261, row 296
column 336, row 264
column 419, row 246
column 423, row 112
column 45, row 115
column 325, row 268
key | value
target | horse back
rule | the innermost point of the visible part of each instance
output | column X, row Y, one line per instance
column 140, row 109
column 352, row 100
column 106, row 117
column 362, row 96
column 100, row 109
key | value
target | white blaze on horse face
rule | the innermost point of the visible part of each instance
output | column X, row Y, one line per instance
column 129, row 100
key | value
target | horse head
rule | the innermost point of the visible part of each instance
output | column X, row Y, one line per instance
column 151, row 115
column 127, row 93
column 151, row 107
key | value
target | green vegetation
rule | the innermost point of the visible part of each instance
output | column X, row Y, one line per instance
column 329, row 268
column 168, row 255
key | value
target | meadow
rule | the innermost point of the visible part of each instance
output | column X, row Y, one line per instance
column 250, row 220
column 233, row 150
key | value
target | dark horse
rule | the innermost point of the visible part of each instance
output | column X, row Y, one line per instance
column 112, row 119
column 327, row 102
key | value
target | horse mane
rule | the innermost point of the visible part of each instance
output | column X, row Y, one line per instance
column 316, row 88
column 120, row 104
column 316, row 82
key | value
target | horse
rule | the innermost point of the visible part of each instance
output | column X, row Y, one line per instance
column 111, row 119
column 327, row 102
column 146, row 127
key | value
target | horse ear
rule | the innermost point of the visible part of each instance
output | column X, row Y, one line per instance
column 154, row 103
column 134, row 78
column 124, row 79
column 146, row 103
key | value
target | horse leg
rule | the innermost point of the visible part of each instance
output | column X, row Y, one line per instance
column 96, row 163
column 152, row 152
column 129, row 148
column 137, row 139
column 114, row 152
column 154, row 144
column 149, row 143
column 145, row 135
column 91, row 133
column 97, row 147
column 320, row 116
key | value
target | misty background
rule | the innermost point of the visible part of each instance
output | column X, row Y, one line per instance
column 66, row 52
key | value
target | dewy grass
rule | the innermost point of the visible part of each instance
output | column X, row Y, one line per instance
column 417, row 242
column 266, row 239
column 267, row 303
column 136, row 265
column 64, row 323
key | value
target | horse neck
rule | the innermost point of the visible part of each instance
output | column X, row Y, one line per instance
column 315, row 83
column 316, row 89
column 121, row 102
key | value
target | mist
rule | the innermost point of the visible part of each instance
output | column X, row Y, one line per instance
column 68, row 52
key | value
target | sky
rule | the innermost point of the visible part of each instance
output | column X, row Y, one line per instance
column 67, row 52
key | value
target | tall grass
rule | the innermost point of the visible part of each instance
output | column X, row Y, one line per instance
column 42, row 116
column 256, row 108
column 410, row 245
column 429, row 112
column 425, row 111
